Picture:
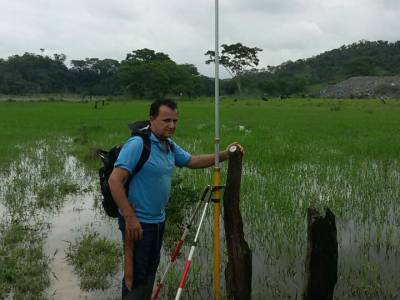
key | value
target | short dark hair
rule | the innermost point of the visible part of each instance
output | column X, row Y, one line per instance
column 155, row 106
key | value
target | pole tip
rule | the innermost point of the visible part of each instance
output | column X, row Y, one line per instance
column 232, row 148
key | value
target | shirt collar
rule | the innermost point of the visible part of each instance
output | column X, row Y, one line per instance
column 154, row 138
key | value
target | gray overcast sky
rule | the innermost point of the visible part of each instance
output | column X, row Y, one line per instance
column 184, row 29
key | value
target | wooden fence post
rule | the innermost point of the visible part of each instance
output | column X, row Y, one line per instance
column 238, row 272
column 322, row 256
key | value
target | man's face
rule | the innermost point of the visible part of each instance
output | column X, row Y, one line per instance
column 165, row 123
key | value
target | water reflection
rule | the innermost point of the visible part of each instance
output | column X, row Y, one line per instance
column 67, row 192
column 79, row 214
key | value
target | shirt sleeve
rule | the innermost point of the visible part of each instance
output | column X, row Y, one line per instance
column 130, row 154
column 182, row 157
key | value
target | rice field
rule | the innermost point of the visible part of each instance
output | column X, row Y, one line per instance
column 338, row 154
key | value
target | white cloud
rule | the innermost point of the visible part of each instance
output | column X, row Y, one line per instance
column 184, row 29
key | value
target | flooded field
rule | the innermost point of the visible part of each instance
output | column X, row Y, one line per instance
column 50, row 213
column 48, row 201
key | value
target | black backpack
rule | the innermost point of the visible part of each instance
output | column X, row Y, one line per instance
column 140, row 128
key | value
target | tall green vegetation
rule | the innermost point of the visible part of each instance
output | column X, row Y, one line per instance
column 30, row 73
column 147, row 73
column 94, row 76
column 144, row 73
column 365, row 58
column 236, row 58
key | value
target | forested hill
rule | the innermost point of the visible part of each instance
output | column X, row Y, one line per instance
column 364, row 58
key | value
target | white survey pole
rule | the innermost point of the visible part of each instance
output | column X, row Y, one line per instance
column 217, row 138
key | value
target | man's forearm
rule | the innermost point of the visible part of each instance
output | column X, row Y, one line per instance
column 132, row 225
column 206, row 160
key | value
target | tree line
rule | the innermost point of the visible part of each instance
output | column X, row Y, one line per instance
column 146, row 73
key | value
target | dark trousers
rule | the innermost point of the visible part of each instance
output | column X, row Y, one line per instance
column 146, row 258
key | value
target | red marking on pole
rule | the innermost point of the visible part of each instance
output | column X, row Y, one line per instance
column 184, row 275
column 177, row 250
column 155, row 296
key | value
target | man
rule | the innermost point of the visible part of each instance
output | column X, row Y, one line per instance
column 143, row 210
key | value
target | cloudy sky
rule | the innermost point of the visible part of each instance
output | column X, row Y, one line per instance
column 184, row 29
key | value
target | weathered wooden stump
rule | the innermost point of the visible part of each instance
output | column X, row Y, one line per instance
column 322, row 256
column 238, row 272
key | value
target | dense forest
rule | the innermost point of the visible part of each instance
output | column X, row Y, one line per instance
column 146, row 73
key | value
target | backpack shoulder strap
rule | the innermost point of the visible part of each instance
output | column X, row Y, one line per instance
column 141, row 129
column 144, row 156
column 145, row 153
column 171, row 145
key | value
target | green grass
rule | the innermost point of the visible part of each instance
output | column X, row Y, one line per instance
column 274, row 125
column 338, row 153
column 24, row 271
column 95, row 259
column 32, row 189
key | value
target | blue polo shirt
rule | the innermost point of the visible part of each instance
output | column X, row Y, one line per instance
column 150, row 188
